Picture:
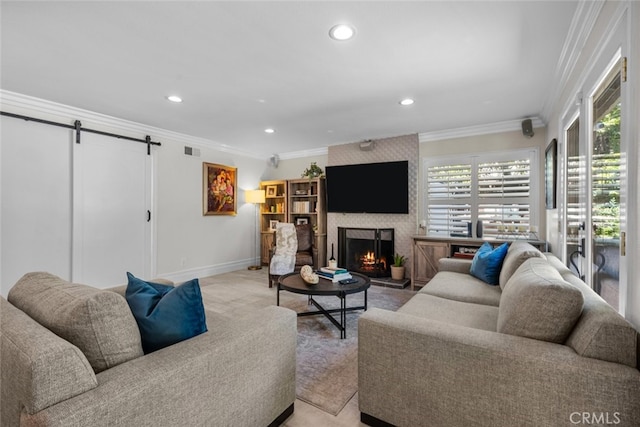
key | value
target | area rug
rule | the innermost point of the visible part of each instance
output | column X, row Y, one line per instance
column 327, row 367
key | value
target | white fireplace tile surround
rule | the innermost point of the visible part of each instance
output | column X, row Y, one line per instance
column 386, row 150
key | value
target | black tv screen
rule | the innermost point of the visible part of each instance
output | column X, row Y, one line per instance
column 368, row 188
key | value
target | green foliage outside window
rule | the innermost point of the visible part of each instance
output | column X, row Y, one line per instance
column 606, row 175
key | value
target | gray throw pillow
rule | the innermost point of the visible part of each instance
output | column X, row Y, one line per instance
column 518, row 253
column 537, row 303
column 98, row 322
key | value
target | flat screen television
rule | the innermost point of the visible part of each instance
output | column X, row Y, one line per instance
column 368, row 188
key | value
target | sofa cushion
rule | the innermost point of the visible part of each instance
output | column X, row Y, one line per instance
column 487, row 262
column 459, row 313
column 518, row 253
column 165, row 314
column 601, row 332
column 537, row 303
column 98, row 322
column 462, row 287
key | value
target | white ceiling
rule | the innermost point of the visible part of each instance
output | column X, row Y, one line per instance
column 244, row 66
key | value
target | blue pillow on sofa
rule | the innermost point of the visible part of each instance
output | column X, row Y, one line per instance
column 165, row 314
column 487, row 262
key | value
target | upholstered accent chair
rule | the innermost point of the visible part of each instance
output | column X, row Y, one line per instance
column 305, row 252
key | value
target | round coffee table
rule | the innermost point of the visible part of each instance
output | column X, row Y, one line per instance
column 293, row 282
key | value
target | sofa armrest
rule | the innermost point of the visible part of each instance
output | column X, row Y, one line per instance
column 241, row 372
column 457, row 265
column 39, row 369
column 411, row 369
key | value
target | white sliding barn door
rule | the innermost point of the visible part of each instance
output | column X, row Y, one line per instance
column 112, row 201
column 35, row 194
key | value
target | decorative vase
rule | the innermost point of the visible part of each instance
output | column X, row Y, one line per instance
column 397, row 273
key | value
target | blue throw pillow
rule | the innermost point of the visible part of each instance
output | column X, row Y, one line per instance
column 487, row 262
column 165, row 314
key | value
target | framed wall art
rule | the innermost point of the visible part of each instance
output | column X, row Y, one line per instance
column 272, row 190
column 550, row 174
column 219, row 189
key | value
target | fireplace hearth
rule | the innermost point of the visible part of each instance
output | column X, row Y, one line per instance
column 368, row 251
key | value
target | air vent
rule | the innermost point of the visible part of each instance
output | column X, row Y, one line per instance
column 190, row 151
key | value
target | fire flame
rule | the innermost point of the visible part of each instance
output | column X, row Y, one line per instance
column 368, row 261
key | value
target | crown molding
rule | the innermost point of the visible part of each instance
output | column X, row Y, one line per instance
column 498, row 127
column 581, row 26
column 304, row 153
column 26, row 105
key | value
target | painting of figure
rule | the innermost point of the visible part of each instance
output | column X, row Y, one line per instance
column 219, row 189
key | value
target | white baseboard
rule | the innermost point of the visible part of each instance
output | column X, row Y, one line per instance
column 209, row 270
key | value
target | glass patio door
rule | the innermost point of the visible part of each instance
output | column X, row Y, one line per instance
column 575, row 213
column 593, row 187
column 606, row 168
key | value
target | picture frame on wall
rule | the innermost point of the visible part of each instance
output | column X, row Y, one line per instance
column 219, row 188
column 550, row 174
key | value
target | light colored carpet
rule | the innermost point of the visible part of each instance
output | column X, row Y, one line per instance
column 327, row 367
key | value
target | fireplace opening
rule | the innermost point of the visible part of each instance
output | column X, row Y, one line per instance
column 368, row 251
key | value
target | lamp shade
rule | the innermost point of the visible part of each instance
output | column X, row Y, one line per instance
column 254, row 196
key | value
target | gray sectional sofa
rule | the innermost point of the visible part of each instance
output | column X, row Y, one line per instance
column 239, row 373
column 541, row 349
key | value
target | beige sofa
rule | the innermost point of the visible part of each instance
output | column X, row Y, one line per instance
column 541, row 349
column 239, row 373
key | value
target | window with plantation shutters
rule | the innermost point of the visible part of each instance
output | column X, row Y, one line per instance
column 503, row 195
column 497, row 188
column 449, row 195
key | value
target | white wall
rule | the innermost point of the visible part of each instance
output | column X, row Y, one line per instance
column 293, row 168
column 36, row 197
column 190, row 244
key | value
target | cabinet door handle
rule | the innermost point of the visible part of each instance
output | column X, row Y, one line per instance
column 148, row 215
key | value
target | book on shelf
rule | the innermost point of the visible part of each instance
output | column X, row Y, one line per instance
column 301, row 207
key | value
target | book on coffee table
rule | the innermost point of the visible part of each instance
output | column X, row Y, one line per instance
column 336, row 270
column 334, row 277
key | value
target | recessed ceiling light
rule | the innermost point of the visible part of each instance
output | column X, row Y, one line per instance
column 406, row 101
column 269, row 130
column 342, row 32
column 174, row 98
